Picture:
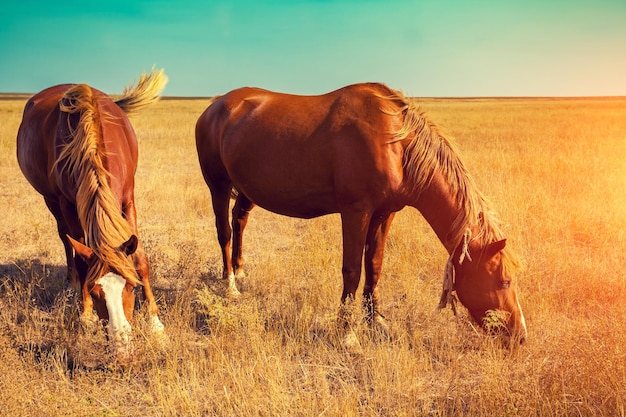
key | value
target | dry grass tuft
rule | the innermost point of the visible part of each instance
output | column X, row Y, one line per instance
column 556, row 173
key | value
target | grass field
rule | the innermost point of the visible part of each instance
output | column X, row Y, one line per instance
column 555, row 170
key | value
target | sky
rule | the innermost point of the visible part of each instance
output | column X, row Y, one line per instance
column 426, row 48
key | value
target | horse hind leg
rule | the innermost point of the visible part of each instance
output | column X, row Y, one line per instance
column 241, row 212
column 220, row 198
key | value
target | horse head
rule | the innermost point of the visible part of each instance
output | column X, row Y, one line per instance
column 112, row 294
column 482, row 276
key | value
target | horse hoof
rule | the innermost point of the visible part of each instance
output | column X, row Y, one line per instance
column 156, row 326
column 123, row 354
column 351, row 342
column 161, row 339
column 381, row 327
column 232, row 291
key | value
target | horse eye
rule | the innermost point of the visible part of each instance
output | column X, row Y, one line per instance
column 506, row 284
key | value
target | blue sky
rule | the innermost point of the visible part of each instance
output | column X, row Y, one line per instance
column 425, row 48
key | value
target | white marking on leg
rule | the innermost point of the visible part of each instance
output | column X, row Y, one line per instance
column 158, row 330
column 232, row 286
column 155, row 325
column 119, row 328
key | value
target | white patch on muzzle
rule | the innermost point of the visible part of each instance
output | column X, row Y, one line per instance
column 119, row 328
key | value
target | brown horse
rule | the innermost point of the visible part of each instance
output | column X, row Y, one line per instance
column 364, row 151
column 77, row 148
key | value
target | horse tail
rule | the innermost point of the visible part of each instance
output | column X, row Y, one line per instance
column 82, row 159
column 144, row 93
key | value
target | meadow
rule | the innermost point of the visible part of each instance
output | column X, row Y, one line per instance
column 555, row 171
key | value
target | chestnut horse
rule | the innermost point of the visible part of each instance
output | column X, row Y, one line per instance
column 364, row 151
column 77, row 148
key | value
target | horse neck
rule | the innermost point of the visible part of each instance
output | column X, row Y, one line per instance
column 441, row 209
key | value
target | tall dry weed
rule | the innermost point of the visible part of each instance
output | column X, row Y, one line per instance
column 555, row 172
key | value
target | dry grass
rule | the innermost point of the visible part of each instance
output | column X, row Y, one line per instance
column 556, row 171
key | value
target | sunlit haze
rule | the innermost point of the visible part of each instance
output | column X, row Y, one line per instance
column 425, row 48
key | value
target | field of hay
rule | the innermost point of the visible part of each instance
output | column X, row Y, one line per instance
column 555, row 170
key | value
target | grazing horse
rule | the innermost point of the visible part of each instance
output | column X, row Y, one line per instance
column 77, row 148
column 364, row 151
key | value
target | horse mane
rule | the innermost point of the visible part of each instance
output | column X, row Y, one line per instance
column 144, row 93
column 431, row 150
column 99, row 212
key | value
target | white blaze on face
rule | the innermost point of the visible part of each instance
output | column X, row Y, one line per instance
column 119, row 328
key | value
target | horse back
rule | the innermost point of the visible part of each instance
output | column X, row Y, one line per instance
column 35, row 138
column 302, row 156
column 45, row 130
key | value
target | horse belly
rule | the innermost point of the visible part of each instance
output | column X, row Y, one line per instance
column 32, row 158
column 304, row 206
column 293, row 180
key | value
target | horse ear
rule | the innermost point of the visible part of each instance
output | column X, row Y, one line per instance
column 495, row 247
column 85, row 252
column 130, row 246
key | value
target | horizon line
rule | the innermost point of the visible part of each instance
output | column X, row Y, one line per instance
column 21, row 95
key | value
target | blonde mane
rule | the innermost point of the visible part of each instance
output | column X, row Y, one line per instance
column 99, row 212
column 430, row 150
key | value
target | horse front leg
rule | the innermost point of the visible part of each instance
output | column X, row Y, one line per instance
column 374, row 255
column 140, row 260
column 354, row 229
column 69, row 225
column 55, row 207
column 241, row 212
